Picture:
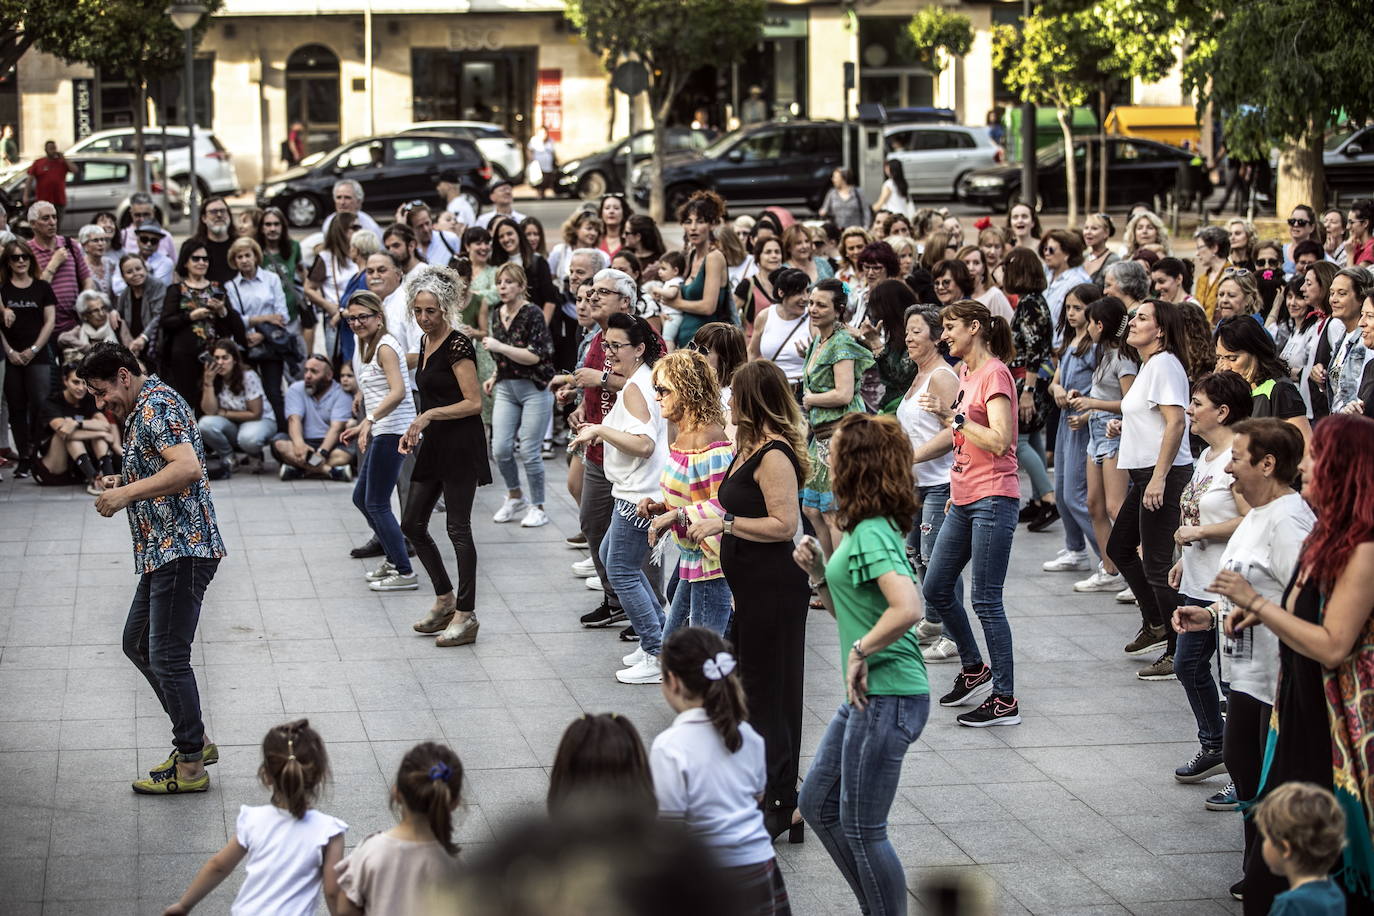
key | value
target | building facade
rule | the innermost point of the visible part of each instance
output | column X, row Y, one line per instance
column 350, row 68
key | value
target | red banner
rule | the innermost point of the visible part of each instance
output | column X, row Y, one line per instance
column 550, row 100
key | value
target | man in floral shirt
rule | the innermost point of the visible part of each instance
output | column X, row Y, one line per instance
column 177, row 548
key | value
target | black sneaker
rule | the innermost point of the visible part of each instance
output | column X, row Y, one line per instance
column 1146, row 641
column 25, row 469
column 1049, row 514
column 372, row 548
column 994, row 711
column 1238, row 890
column 1029, row 511
column 968, row 687
column 603, row 616
column 1205, row 764
column 629, row 635
column 1225, row 800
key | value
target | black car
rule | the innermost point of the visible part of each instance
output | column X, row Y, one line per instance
column 604, row 170
column 781, row 162
column 391, row 169
column 1137, row 170
column 1348, row 160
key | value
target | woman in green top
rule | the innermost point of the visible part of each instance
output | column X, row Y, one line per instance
column 835, row 361
column 868, row 585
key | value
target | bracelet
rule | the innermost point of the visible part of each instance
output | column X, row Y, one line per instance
column 1254, row 602
column 816, row 586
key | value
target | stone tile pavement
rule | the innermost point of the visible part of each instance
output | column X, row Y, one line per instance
column 1074, row 811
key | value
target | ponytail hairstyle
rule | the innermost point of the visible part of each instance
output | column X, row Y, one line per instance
column 703, row 664
column 429, row 781
column 995, row 330
column 838, row 293
column 640, row 332
column 1110, row 312
column 294, row 766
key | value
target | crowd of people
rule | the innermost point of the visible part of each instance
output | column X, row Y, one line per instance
column 1197, row 427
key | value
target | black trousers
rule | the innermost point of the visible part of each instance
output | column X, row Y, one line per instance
column 1152, row 530
column 1247, row 725
column 26, row 389
column 419, row 507
column 271, row 372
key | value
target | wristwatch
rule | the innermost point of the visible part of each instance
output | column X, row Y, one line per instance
column 605, row 377
column 370, row 418
column 958, row 422
column 859, row 649
column 729, row 523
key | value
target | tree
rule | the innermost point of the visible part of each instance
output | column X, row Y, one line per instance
column 672, row 38
column 1280, row 72
column 940, row 35
column 131, row 39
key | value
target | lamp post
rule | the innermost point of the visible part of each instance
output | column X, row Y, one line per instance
column 186, row 16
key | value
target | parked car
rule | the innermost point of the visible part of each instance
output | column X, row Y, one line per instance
column 1349, row 164
column 392, row 169
column 777, row 162
column 1137, row 169
column 100, row 183
column 500, row 148
column 935, row 156
column 604, row 170
column 215, row 172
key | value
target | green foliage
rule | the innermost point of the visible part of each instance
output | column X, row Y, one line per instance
column 935, row 29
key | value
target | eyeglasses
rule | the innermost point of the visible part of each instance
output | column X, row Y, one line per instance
column 1268, row 262
column 217, row 212
column 358, row 319
column 1299, row 223
column 615, row 347
column 943, row 281
column 870, row 266
column 411, row 205
column 596, row 292
column 662, row 392
column 199, row 257
column 1235, row 272
column 149, row 239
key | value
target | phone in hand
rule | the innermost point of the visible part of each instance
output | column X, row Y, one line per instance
column 207, row 358
column 315, row 459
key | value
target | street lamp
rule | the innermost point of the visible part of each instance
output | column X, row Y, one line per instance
column 186, row 16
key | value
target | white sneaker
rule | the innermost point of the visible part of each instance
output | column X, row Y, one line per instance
column 584, row 568
column 1100, row 581
column 1125, row 596
column 594, row 584
column 927, row 632
column 1068, row 561
column 512, row 507
column 381, row 572
column 942, row 650
column 634, row 658
column 646, row 671
column 535, row 518
column 396, row 582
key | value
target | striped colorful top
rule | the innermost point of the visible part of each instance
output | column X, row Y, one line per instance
column 691, row 479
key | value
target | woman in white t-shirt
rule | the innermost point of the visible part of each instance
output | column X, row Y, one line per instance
column 936, row 378
column 1154, row 453
column 1211, row 511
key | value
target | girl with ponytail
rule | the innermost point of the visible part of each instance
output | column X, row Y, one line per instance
column 407, row 868
column 291, row 848
column 708, row 766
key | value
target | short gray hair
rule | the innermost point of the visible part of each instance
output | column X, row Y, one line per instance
column 89, row 232
column 443, row 283
column 365, row 242
column 88, row 296
column 600, row 260
column 625, row 284
column 37, row 207
column 352, row 185
column 139, row 198
column 1131, row 276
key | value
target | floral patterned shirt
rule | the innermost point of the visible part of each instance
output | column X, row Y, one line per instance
column 527, row 331
column 166, row 528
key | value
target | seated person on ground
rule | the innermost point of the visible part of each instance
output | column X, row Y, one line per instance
column 317, row 411
column 237, row 417
column 81, row 443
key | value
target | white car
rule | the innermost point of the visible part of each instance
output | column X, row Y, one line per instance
column 500, row 148
column 215, row 173
column 935, row 155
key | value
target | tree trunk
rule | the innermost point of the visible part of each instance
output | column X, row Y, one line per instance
column 1070, row 164
column 663, row 88
column 1301, row 178
column 1102, row 154
column 140, row 111
column 1088, row 176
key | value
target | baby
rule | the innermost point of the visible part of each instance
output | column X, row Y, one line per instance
column 670, row 269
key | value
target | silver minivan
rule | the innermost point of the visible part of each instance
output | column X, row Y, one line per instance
column 100, row 183
column 935, row 156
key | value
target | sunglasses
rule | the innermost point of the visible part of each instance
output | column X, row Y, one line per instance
column 1299, row 223
column 199, row 257
column 20, row 257
column 661, row 391
column 1269, row 262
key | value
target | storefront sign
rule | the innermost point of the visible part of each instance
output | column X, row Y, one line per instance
column 550, row 100
column 779, row 23
column 83, row 108
column 474, row 39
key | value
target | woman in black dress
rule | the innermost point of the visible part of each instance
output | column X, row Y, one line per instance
column 452, row 458
column 195, row 313
column 760, row 495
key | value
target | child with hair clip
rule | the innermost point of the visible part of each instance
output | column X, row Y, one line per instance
column 408, row 868
column 292, row 849
column 601, row 757
column 708, row 766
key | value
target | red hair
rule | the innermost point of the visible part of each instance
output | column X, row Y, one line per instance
column 1341, row 493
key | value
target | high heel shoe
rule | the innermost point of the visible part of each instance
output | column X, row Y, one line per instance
column 779, row 821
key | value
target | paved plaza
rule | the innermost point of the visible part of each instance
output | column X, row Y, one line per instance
column 1074, row 811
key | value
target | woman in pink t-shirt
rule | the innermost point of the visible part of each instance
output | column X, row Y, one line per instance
column 985, row 495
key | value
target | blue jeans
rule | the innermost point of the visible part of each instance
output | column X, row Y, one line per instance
column 623, row 550
column 522, row 409
column 849, row 790
column 1193, row 665
column 372, row 495
column 700, row 603
column 1030, row 451
column 222, row 435
column 1071, row 487
column 922, row 538
column 157, row 639
column 980, row 532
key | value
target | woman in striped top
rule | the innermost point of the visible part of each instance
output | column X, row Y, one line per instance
column 689, row 395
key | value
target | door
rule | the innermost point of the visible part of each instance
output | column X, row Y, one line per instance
column 498, row 87
column 312, row 96
column 750, row 169
column 365, row 164
column 97, row 185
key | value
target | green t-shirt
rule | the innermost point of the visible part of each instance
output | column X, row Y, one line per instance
column 873, row 548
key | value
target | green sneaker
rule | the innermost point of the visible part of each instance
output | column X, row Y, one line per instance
column 208, row 756
column 169, row 783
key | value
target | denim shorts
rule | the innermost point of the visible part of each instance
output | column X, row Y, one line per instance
column 1100, row 448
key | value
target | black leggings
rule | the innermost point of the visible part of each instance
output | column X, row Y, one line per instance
column 1247, row 729
column 270, row 371
column 1152, row 530
column 419, row 507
